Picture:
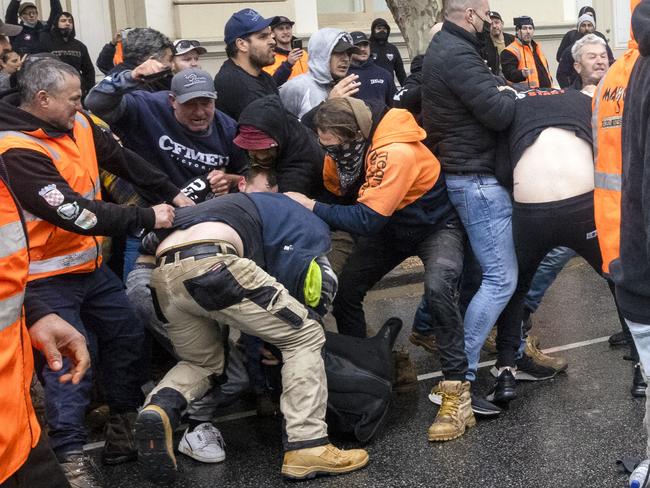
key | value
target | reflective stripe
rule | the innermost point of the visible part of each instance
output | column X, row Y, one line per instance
column 62, row 262
column 12, row 239
column 10, row 310
column 55, row 155
column 608, row 181
column 595, row 130
column 82, row 120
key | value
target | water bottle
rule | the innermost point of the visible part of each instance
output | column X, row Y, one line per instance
column 639, row 475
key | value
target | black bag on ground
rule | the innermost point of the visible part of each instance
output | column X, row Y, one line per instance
column 359, row 379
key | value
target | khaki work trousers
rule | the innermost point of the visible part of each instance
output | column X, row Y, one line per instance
column 196, row 295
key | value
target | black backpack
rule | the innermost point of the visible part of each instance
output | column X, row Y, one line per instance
column 359, row 380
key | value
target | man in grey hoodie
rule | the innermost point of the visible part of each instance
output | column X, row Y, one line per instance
column 329, row 59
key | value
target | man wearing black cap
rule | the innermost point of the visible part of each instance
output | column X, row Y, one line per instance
column 249, row 47
column 375, row 83
column 496, row 43
column 523, row 60
column 28, row 41
column 385, row 54
column 289, row 61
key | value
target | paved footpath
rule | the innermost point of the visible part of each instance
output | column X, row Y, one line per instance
column 565, row 432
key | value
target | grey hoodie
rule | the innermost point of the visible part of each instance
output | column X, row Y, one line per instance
column 302, row 93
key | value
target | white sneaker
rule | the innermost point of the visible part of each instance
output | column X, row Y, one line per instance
column 204, row 444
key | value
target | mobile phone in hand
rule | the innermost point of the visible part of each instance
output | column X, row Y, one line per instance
column 296, row 44
column 157, row 76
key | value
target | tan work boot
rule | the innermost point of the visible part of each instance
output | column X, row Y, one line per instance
column 405, row 377
column 427, row 342
column 455, row 413
column 308, row 463
column 556, row 363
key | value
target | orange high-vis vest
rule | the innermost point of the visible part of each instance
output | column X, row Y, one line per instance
column 607, row 121
column 118, row 57
column 524, row 55
column 299, row 68
column 53, row 250
column 20, row 430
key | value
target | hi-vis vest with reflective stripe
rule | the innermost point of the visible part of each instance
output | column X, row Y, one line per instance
column 53, row 250
column 20, row 430
column 607, row 121
column 524, row 54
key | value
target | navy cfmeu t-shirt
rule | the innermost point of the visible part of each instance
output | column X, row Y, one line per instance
column 150, row 128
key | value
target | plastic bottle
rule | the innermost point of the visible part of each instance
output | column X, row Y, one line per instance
column 639, row 475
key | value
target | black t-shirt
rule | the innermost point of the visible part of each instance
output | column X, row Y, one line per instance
column 236, row 210
column 537, row 110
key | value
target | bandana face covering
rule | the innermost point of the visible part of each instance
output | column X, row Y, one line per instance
column 349, row 161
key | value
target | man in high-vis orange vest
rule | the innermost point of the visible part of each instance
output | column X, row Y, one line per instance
column 289, row 61
column 607, row 121
column 523, row 60
column 52, row 154
column 25, row 457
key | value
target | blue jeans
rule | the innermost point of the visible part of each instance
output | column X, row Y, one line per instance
column 641, row 336
column 485, row 210
column 96, row 305
column 545, row 275
column 131, row 253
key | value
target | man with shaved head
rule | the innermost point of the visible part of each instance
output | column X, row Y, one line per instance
column 464, row 107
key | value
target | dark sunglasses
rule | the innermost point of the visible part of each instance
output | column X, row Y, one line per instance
column 186, row 44
column 336, row 151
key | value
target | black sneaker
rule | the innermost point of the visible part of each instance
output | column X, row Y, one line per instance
column 638, row 383
column 482, row 408
column 154, row 437
column 120, row 441
column 618, row 339
column 80, row 471
column 505, row 388
column 529, row 370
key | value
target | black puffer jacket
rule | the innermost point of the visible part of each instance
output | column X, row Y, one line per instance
column 410, row 96
column 462, row 106
column 299, row 165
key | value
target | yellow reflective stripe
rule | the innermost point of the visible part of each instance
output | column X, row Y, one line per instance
column 608, row 181
column 10, row 310
column 62, row 262
column 12, row 239
column 10, row 133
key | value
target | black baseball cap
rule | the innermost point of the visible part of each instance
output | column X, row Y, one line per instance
column 281, row 19
column 344, row 44
column 523, row 20
column 495, row 15
column 359, row 37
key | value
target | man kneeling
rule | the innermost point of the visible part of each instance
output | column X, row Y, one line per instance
column 208, row 276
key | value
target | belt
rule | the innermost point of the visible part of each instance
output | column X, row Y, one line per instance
column 197, row 251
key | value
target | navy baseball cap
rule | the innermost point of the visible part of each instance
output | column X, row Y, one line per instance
column 245, row 22
column 358, row 37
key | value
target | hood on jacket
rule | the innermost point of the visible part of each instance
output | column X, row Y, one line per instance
column 320, row 50
column 55, row 27
column 587, row 10
column 397, row 125
column 641, row 26
column 268, row 115
column 375, row 23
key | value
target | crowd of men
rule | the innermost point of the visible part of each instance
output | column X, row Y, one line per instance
column 143, row 216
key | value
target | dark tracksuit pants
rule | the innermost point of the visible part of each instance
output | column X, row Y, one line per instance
column 441, row 251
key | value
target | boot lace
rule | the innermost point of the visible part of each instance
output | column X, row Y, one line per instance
column 450, row 404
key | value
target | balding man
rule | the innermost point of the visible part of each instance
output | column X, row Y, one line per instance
column 463, row 109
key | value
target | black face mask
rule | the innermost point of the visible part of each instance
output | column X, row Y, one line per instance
column 381, row 36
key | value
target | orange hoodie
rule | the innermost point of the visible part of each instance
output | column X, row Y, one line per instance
column 402, row 181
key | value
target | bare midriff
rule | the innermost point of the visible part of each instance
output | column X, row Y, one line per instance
column 559, row 165
column 203, row 232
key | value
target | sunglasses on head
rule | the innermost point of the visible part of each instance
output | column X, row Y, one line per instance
column 186, row 44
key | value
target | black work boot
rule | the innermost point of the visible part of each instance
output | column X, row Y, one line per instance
column 154, row 435
column 80, row 470
column 505, row 388
column 120, row 440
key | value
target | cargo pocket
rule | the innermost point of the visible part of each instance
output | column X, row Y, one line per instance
column 156, row 306
column 216, row 289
